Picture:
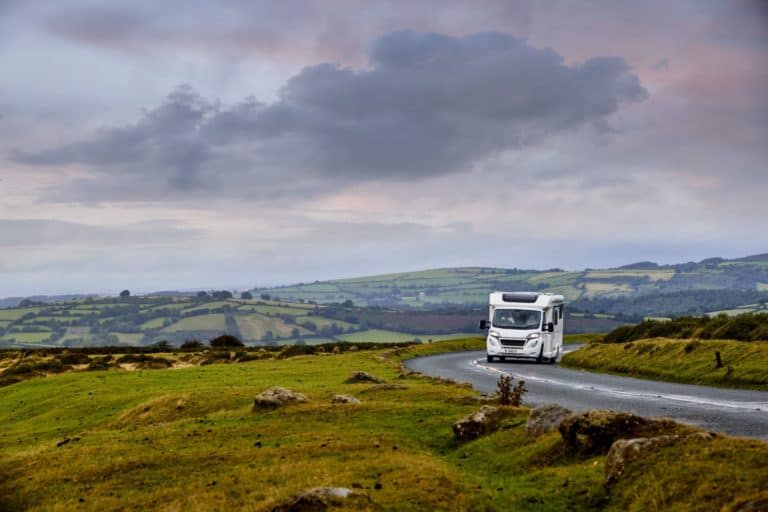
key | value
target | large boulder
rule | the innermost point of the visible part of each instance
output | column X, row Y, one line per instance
column 545, row 418
column 625, row 451
column 319, row 499
column 276, row 397
column 486, row 420
column 361, row 376
column 593, row 432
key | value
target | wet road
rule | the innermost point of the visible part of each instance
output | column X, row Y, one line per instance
column 735, row 412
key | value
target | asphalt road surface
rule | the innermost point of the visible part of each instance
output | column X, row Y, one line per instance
column 732, row 411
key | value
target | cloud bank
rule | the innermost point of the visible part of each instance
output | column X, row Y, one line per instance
column 426, row 105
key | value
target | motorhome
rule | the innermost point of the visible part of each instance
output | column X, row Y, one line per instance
column 524, row 325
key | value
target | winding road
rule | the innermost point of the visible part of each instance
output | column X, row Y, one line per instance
column 731, row 411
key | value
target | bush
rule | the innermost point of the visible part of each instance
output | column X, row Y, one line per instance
column 746, row 327
column 226, row 340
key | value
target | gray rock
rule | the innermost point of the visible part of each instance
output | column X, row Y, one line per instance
column 624, row 451
column 276, row 396
column 486, row 420
column 545, row 418
column 345, row 399
column 361, row 376
column 594, row 432
column 318, row 499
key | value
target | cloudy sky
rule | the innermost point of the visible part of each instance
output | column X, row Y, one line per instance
column 189, row 143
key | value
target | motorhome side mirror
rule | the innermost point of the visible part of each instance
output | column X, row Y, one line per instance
column 550, row 327
column 483, row 324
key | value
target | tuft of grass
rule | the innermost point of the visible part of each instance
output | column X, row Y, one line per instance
column 686, row 361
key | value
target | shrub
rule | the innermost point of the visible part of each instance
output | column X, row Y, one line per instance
column 509, row 395
column 192, row 345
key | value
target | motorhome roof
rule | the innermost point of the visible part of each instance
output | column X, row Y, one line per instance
column 531, row 299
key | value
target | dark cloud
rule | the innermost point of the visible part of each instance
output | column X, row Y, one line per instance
column 427, row 104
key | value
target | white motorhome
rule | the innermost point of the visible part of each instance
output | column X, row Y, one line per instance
column 524, row 325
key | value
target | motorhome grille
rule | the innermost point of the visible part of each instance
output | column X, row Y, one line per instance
column 523, row 297
column 512, row 343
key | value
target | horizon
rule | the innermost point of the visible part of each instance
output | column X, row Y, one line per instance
column 165, row 146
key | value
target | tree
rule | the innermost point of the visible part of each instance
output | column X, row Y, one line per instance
column 125, row 293
column 246, row 295
column 265, row 296
column 225, row 340
column 295, row 333
column 202, row 294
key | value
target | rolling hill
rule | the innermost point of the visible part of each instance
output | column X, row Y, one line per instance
column 471, row 285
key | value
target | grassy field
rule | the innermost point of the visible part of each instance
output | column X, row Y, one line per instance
column 214, row 322
column 187, row 439
column 745, row 364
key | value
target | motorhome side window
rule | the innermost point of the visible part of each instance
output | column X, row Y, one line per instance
column 554, row 315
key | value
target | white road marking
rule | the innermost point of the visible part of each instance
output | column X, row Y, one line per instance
column 758, row 407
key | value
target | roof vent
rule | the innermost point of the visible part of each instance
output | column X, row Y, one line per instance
column 525, row 297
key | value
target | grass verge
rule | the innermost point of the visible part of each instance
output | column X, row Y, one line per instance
column 744, row 365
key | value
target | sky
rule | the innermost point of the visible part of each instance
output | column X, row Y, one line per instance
column 190, row 144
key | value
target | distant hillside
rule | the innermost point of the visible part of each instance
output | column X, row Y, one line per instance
column 469, row 286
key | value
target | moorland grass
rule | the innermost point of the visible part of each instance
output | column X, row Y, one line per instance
column 189, row 439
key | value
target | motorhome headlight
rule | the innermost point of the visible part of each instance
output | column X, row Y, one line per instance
column 493, row 337
column 532, row 336
column 494, row 334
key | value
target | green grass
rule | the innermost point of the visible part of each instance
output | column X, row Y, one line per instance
column 253, row 327
column 569, row 339
column 155, row 323
column 214, row 322
column 210, row 305
column 15, row 314
column 27, row 337
column 187, row 439
column 383, row 336
column 745, row 364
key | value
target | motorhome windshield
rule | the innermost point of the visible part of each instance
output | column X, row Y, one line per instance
column 516, row 319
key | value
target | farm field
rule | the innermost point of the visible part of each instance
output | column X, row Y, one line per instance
column 143, row 321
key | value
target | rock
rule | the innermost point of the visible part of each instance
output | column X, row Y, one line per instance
column 486, row 420
column 593, row 432
column 345, row 399
column 625, row 451
column 545, row 418
column 275, row 397
column 318, row 499
column 361, row 376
